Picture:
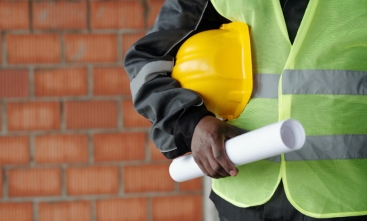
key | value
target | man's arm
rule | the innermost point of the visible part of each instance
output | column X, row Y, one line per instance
column 173, row 111
column 180, row 121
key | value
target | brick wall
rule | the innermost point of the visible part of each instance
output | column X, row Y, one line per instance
column 71, row 145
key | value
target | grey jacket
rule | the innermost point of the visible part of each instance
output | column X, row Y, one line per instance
column 173, row 111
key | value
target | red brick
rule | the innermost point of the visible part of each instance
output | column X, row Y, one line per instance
column 14, row 83
column 119, row 147
column 117, row 15
column 91, row 48
column 110, row 81
column 91, row 114
column 60, row 14
column 155, row 154
column 33, row 48
column 178, row 208
column 92, row 180
column 192, row 185
column 61, row 82
column 34, row 182
column 61, row 148
column 14, row 15
column 16, row 211
column 57, row 211
column 33, row 116
column 147, row 178
column 134, row 209
column 154, row 8
column 128, row 40
column 14, row 150
column 131, row 117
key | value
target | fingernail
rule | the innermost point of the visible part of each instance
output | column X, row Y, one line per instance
column 233, row 173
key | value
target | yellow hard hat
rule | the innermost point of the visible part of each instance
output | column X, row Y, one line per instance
column 217, row 65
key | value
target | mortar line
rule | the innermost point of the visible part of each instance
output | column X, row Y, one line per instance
column 146, row 12
column 62, row 115
column 63, row 182
column 120, row 181
column 93, row 210
column 5, row 184
column 121, row 174
column 80, row 165
column 59, row 65
column 150, row 209
column 31, row 82
column 32, row 150
column 76, row 31
column 35, row 210
column 90, row 80
column 51, row 199
column 90, row 148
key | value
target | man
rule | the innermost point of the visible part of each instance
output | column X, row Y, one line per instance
column 315, row 52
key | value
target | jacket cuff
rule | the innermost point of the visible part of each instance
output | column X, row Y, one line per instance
column 186, row 124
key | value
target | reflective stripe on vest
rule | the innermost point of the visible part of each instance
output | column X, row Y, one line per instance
column 265, row 86
column 324, row 82
column 328, row 82
column 322, row 148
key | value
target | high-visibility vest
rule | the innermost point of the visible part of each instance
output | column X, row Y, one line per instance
column 321, row 81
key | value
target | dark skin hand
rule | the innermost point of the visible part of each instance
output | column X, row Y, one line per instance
column 208, row 148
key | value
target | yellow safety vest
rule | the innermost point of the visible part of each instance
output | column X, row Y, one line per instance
column 320, row 80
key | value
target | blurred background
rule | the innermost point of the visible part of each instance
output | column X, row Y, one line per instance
column 71, row 145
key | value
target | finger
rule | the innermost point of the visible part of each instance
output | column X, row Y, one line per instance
column 217, row 168
column 211, row 165
column 207, row 169
column 200, row 158
column 214, row 169
column 202, row 167
column 203, row 163
column 223, row 160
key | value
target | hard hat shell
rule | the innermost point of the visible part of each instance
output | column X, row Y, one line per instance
column 217, row 65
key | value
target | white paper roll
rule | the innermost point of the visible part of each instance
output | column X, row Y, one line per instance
column 262, row 143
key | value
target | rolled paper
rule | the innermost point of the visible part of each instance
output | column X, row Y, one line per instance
column 268, row 141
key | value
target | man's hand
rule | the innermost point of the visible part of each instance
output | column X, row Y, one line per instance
column 208, row 148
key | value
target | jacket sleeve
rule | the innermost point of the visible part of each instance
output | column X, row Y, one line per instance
column 173, row 111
